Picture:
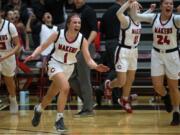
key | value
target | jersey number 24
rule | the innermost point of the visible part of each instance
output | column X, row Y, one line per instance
column 162, row 40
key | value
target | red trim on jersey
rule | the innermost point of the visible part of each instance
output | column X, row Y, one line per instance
column 165, row 22
column 72, row 40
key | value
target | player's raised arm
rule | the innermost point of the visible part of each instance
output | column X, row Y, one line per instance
column 121, row 16
column 148, row 17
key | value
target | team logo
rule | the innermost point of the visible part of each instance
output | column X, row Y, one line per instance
column 52, row 70
column 118, row 66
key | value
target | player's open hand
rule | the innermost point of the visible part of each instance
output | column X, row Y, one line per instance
column 102, row 68
column 153, row 7
column 29, row 58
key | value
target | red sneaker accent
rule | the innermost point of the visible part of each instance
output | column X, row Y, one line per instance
column 107, row 91
column 125, row 104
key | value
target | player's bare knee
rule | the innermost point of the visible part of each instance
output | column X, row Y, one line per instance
column 131, row 79
column 65, row 89
column 50, row 95
column 174, row 89
column 158, row 87
column 121, row 82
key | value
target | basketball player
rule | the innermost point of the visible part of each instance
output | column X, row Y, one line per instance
column 126, row 55
column 9, row 45
column 68, row 43
column 165, row 54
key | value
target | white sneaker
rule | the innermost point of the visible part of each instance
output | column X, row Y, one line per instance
column 13, row 106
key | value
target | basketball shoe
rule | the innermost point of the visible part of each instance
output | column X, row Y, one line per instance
column 59, row 125
column 176, row 119
column 126, row 105
column 167, row 102
column 37, row 117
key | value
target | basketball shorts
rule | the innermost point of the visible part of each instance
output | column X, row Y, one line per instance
column 8, row 66
column 165, row 64
column 125, row 59
column 55, row 67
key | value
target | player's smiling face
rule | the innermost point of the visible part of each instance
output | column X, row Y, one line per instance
column 75, row 24
column 167, row 8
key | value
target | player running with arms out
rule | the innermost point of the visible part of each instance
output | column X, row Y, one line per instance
column 68, row 42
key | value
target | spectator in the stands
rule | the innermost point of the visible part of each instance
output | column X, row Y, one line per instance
column 14, row 17
column 9, row 15
column 13, row 4
column 37, row 8
column 21, row 29
column 20, row 6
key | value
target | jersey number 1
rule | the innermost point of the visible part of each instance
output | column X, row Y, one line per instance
column 162, row 40
column 65, row 57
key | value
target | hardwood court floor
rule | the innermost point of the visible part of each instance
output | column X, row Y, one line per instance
column 105, row 122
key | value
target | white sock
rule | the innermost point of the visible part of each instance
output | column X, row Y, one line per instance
column 13, row 99
column 58, row 116
column 175, row 108
column 39, row 108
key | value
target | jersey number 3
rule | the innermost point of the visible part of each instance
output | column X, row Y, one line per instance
column 162, row 40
